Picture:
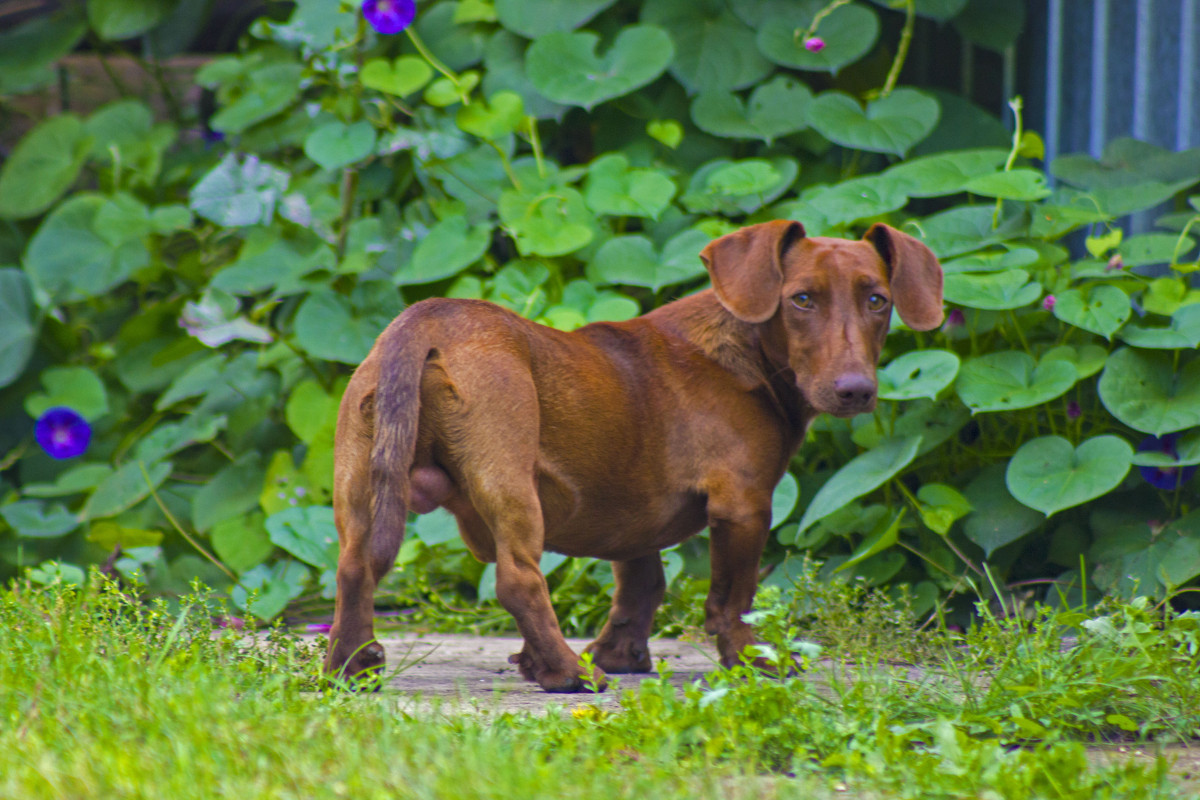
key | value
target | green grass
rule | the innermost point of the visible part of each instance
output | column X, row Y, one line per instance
column 104, row 696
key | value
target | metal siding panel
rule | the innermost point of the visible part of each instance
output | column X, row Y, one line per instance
column 1185, row 120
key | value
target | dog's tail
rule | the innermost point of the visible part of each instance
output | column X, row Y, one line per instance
column 397, row 411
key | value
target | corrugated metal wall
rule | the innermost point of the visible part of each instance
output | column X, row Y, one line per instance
column 1102, row 69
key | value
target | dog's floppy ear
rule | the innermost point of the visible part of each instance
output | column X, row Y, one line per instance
column 914, row 274
column 747, row 270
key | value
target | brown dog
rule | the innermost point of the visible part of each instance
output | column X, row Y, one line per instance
column 616, row 440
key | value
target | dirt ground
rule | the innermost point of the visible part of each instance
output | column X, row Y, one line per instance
column 471, row 674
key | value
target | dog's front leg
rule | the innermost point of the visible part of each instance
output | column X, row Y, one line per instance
column 738, row 525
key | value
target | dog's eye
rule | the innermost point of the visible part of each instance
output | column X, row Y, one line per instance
column 803, row 300
column 877, row 302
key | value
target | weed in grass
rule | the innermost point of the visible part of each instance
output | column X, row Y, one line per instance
column 102, row 695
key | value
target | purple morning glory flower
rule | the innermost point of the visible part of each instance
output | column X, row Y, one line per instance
column 955, row 319
column 1169, row 478
column 62, row 433
column 814, row 44
column 318, row 627
column 1073, row 410
column 389, row 16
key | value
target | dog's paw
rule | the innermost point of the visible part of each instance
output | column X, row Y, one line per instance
column 359, row 669
column 557, row 680
column 621, row 656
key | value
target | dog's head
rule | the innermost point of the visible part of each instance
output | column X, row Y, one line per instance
column 825, row 304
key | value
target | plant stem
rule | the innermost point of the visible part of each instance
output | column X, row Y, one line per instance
column 910, row 20
column 175, row 524
column 811, row 31
column 435, row 62
column 349, row 189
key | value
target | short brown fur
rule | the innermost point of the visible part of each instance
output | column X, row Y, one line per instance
column 616, row 440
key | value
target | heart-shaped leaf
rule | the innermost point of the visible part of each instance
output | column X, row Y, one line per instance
column 73, row 480
column 69, row 261
column 1154, row 248
column 933, row 422
column 1183, row 332
column 962, row 229
column 1142, row 389
column 232, row 194
column 880, row 539
column 534, row 18
column 331, row 328
column 714, row 50
column 666, row 131
column 445, row 92
column 945, row 173
column 518, row 286
column 739, row 187
column 336, row 144
column 992, row 260
column 499, row 117
column 552, row 223
column 307, row 533
column 565, row 68
column 505, row 59
column 126, row 487
column 891, row 124
column 174, row 436
column 449, row 248
column 823, row 208
column 993, row 291
column 1050, row 475
column 114, row 20
column 242, row 542
column 1087, row 359
column 270, row 90
column 35, row 519
column 998, row 518
column 861, row 475
column 17, row 329
column 918, row 373
column 42, row 166
column 776, row 108
column 1017, row 184
column 783, row 499
column 848, row 33
column 1009, row 380
column 77, row 388
column 273, row 586
column 401, row 77
column 631, row 261
column 230, row 494
column 942, row 506
column 1103, row 311
column 613, row 188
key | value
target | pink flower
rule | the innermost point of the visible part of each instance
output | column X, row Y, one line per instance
column 1049, row 302
column 1073, row 410
column 814, row 44
column 389, row 16
column 955, row 319
column 318, row 627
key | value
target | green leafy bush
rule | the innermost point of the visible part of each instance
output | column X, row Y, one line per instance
column 199, row 297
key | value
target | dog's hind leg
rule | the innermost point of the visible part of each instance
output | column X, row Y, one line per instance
column 495, row 452
column 352, row 646
column 623, row 644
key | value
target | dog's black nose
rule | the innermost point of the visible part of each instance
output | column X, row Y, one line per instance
column 855, row 390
